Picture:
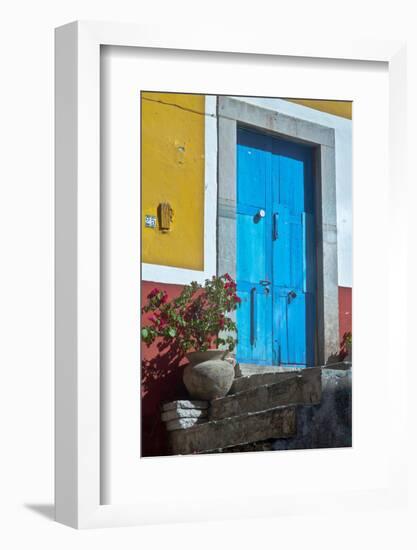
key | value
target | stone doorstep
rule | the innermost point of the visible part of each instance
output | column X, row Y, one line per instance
column 279, row 422
column 185, row 404
column 297, row 390
column 183, row 423
column 247, row 369
column 247, row 382
column 173, row 414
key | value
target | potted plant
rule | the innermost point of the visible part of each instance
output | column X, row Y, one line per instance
column 198, row 324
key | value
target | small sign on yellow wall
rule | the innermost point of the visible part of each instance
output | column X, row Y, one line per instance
column 165, row 215
column 150, row 221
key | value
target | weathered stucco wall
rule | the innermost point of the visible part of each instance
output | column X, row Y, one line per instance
column 173, row 172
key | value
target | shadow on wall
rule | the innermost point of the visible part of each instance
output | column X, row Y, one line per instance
column 161, row 380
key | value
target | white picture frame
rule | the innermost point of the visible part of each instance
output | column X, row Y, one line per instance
column 78, row 406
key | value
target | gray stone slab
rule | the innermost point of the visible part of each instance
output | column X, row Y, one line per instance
column 247, row 428
column 295, row 390
column 243, row 383
column 183, row 423
column 185, row 404
column 247, row 369
column 173, row 414
column 226, row 208
column 226, row 261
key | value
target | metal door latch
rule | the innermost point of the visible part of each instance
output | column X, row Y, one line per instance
column 259, row 215
column 291, row 295
column 266, row 284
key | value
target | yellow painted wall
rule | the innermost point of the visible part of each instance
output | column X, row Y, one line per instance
column 339, row 108
column 173, row 171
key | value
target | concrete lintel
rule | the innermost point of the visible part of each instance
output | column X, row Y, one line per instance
column 288, row 126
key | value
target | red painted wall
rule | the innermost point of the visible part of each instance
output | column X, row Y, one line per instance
column 345, row 310
column 161, row 380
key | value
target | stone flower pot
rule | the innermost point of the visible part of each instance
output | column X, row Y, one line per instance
column 208, row 376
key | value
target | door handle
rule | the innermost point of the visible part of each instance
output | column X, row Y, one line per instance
column 275, row 221
column 266, row 284
column 291, row 295
column 253, row 317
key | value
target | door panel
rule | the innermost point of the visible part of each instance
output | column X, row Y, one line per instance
column 276, row 253
column 253, row 248
column 254, row 320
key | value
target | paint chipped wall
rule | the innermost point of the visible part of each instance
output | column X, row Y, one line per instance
column 173, row 172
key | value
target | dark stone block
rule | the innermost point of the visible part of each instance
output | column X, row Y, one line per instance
column 328, row 424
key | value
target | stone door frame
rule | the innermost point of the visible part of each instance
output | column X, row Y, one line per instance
column 233, row 113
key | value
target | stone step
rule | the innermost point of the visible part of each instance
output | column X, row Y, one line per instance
column 243, row 383
column 184, row 404
column 247, row 369
column 300, row 389
column 229, row 432
column 174, row 414
column 183, row 423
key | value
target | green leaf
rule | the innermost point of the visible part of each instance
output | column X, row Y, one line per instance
column 172, row 332
column 145, row 333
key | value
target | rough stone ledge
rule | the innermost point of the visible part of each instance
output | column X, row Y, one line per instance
column 300, row 389
column 243, row 383
column 247, row 369
column 183, row 423
column 229, row 432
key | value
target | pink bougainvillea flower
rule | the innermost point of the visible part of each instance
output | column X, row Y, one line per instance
column 193, row 320
column 153, row 293
column 230, row 284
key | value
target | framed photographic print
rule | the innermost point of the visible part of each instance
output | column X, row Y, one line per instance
column 221, row 238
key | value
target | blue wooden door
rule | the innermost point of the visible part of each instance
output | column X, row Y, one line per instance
column 276, row 258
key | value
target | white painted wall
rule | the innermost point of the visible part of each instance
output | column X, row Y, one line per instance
column 343, row 137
